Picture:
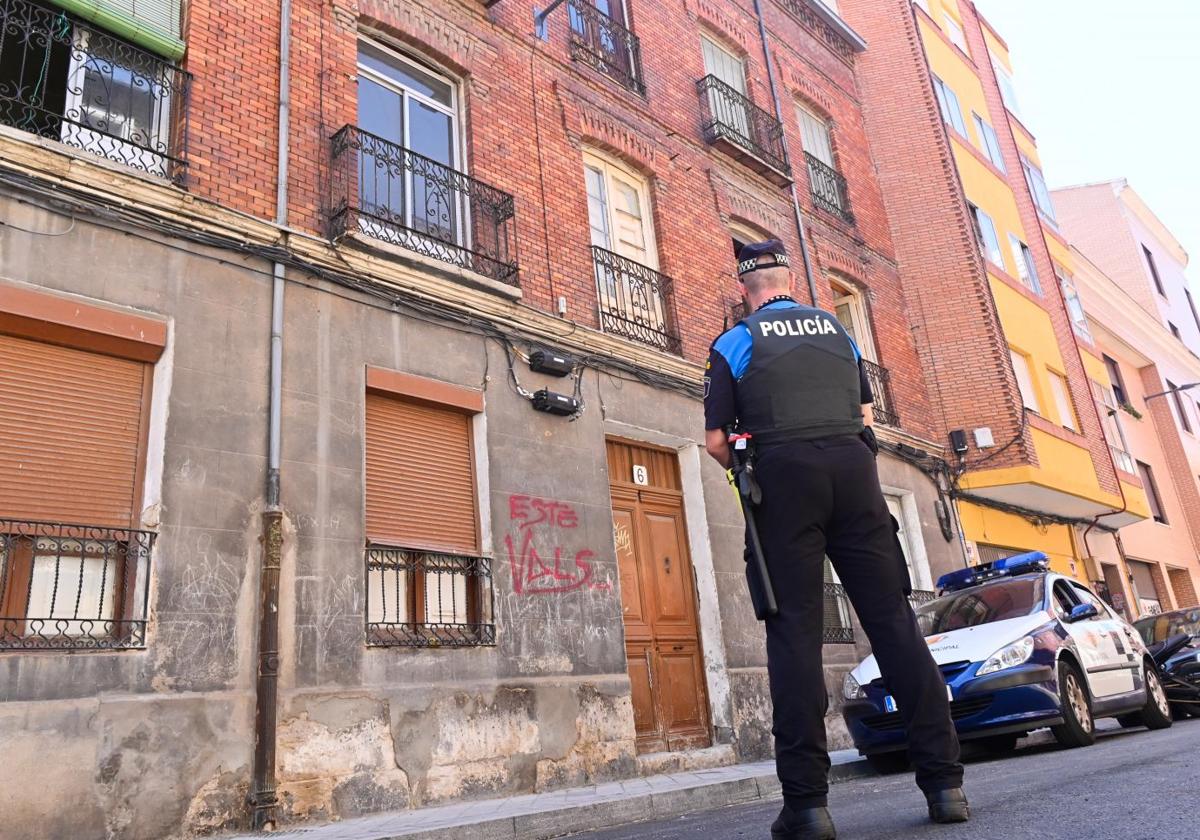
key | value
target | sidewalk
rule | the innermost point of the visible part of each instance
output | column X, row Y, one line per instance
column 540, row 816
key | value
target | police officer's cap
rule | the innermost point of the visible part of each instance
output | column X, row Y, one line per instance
column 749, row 254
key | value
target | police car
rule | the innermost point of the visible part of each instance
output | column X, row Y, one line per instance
column 1020, row 648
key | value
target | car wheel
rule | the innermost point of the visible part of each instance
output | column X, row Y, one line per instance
column 1078, row 728
column 1157, row 714
column 888, row 763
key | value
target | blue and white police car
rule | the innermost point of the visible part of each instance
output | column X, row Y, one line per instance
column 1021, row 648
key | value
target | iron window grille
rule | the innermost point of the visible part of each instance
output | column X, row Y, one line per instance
column 828, row 188
column 919, row 597
column 605, row 45
column 395, row 195
column 884, row 407
column 64, row 80
column 838, row 628
column 428, row 599
column 635, row 301
column 731, row 116
column 72, row 587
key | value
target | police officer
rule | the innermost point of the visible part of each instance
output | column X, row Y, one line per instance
column 791, row 376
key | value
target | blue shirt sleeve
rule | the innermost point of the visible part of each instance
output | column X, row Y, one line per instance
column 735, row 346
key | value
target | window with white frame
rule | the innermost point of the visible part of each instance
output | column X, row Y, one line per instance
column 989, row 144
column 1008, row 89
column 1026, row 268
column 851, row 310
column 1025, row 381
column 618, row 210
column 1062, row 401
column 954, row 32
column 1107, row 406
column 728, row 69
column 814, row 135
column 950, row 107
column 1079, row 321
column 989, row 242
column 1037, row 186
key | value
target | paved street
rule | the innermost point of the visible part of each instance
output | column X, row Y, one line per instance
column 1101, row 793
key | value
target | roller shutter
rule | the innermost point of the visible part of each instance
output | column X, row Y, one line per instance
column 420, row 480
column 71, row 430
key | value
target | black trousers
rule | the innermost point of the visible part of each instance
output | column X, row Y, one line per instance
column 823, row 498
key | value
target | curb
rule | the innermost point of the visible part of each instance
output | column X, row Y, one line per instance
column 618, row 812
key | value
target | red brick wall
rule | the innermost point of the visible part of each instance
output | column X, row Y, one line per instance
column 1184, row 587
column 529, row 110
column 953, row 316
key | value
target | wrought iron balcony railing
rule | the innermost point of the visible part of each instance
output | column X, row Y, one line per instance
column 72, row 587
column 605, row 45
column 920, row 597
column 393, row 194
column 749, row 132
column 838, row 628
column 828, row 188
column 425, row 599
column 636, row 302
column 884, row 407
column 64, row 80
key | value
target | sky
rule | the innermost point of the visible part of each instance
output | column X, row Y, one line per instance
column 1111, row 89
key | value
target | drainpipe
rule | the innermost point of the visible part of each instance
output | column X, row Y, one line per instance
column 800, row 229
column 263, row 798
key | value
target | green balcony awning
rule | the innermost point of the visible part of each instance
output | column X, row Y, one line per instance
column 150, row 24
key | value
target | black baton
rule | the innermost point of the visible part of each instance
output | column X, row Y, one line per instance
column 751, row 494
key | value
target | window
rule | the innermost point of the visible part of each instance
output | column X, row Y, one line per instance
column 1114, row 433
column 1117, row 380
column 1025, row 381
column 600, row 38
column 1174, row 330
column 1154, row 271
column 1180, row 411
column 955, row 33
column 634, row 299
column 1008, row 90
column 1062, row 401
column 850, row 310
column 988, row 142
column 814, row 135
column 64, row 80
column 1152, row 496
column 1192, row 306
column 951, row 110
column 1037, row 187
column 1144, row 587
column 728, row 104
column 989, row 243
column 1026, row 269
column 74, row 569
column 427, row 584
column 1070, row 294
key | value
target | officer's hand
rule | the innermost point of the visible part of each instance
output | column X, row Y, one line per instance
column 868, row 436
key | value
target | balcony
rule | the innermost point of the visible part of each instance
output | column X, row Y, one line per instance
column 605, row 45
column 884, row 407
column 636, row 302
column 392, row 194
column 742, row 130
column 427, row 600
column 921, row 597
column 838, row 628
column 828, row 189
column 72, row 587
column 63, row 80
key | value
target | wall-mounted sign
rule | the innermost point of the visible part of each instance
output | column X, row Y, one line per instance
column 641, row 475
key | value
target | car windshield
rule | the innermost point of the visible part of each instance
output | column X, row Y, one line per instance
column 1157, row 628
column 982, row 605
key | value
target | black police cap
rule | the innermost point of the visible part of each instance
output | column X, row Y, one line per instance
column 749, row 254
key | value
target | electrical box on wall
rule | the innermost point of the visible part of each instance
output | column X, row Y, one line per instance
column 958, row 441
column 553, row 403
column 552, row 362
column 984, row 438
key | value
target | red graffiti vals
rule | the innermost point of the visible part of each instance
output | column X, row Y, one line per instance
column 532, row 575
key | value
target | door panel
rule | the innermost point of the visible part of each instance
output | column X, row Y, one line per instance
column 680, row 691
column 646, row 722
column 673, row 608
column 633, row 599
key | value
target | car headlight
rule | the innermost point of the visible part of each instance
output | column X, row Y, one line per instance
column 1008, row 656
column 851, row 690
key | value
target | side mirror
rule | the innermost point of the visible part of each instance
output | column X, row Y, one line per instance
column 1082, row 612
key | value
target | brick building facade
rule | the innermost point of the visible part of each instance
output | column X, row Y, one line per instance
column 451, row 595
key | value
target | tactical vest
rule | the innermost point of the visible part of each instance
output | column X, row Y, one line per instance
column 803, row 378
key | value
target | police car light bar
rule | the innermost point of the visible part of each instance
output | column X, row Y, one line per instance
column 1018, row 564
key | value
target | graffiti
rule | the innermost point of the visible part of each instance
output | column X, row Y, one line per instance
column 562, row 571
column 622, row 538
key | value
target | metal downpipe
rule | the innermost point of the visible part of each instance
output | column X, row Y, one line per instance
column 263, row 797
column 800, row 229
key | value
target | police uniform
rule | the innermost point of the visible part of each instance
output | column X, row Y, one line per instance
column 791, row 376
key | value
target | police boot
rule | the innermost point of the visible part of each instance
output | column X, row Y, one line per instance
column 948, row 806
column 803, row 824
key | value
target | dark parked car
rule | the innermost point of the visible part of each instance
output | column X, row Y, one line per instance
column 1181, row 670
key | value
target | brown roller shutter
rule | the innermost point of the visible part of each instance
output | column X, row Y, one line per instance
column 71, row 429
column 420, row 476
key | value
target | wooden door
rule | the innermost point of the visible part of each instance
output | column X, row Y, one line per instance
column 658, row 597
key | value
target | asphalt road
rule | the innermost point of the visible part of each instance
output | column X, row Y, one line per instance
column 1130, row 785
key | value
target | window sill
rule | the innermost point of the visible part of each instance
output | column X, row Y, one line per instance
column 74, row 154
